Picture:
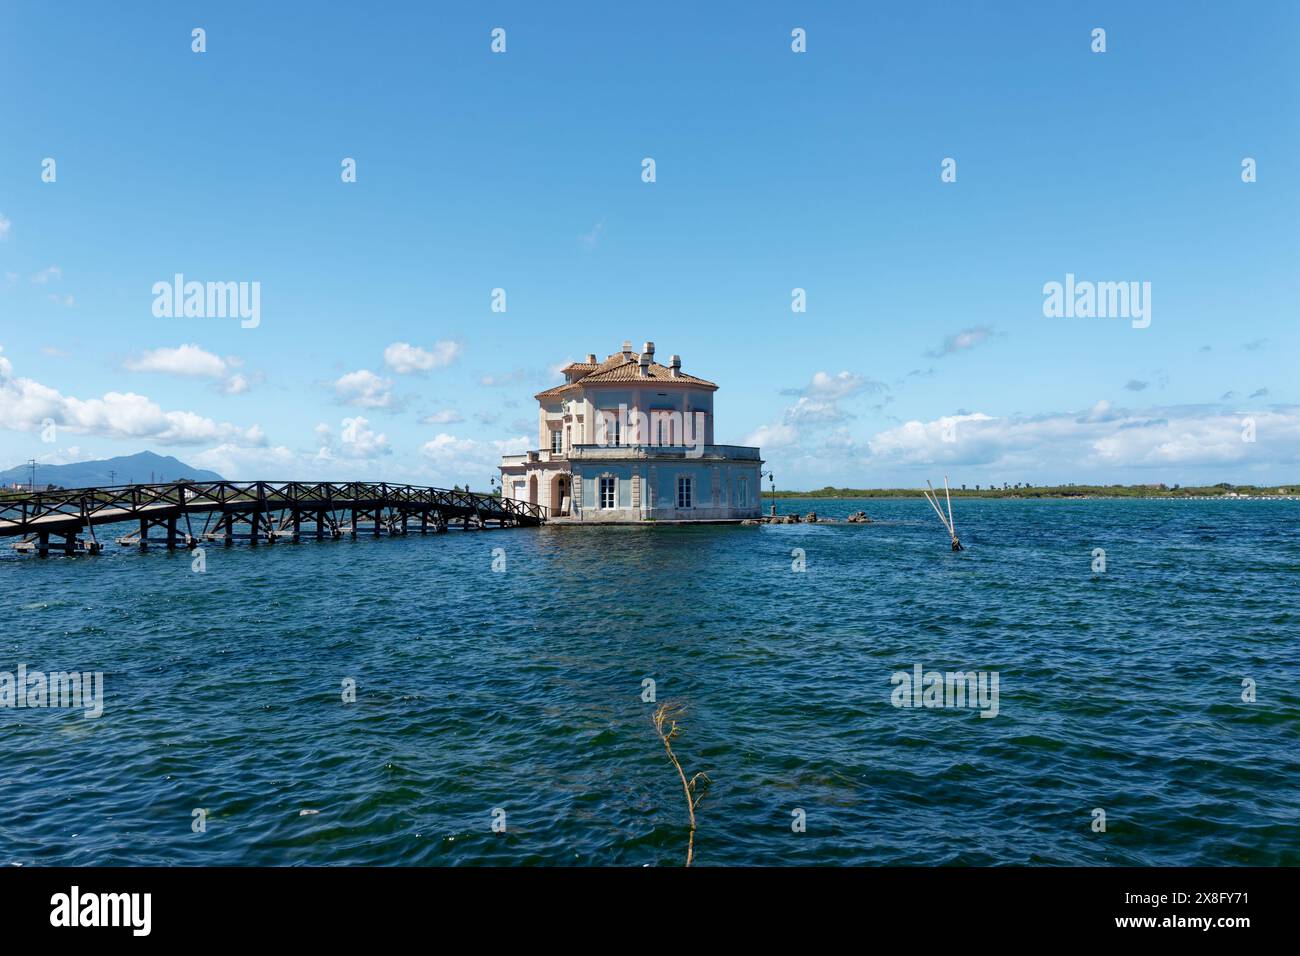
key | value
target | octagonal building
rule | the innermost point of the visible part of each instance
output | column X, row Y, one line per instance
column 628, row 440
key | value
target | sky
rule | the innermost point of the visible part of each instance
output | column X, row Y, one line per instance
column 923, row 349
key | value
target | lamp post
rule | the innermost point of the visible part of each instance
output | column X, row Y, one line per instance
column 772, row 479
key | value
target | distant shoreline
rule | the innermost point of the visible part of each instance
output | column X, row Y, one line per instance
column 1221, row 491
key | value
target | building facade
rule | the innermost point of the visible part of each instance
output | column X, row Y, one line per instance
column 631, row 440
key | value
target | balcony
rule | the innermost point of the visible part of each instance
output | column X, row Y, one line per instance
column 532, row 457
column 580, row 453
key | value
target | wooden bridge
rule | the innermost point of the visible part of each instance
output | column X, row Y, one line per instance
column 188, row 513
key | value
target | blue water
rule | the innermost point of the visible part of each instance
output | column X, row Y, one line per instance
column 522, row 690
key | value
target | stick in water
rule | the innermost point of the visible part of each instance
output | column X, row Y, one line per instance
column 952, row 527
column 668, row 714
column 949, row 525
column 934, row 503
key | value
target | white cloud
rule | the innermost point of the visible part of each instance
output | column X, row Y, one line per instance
column 187, row 360
column 818, row 404
column 445, row 446
column 772, row 436
column 842, row 385
column 460, row 460
column 25, row 404
column 235, row 385
column 4, row 226
column 191, row 361
column 811, row 411
column 444, row 416
column 963, row 340
column 917, row 442
column 364, row 389
column 824, row 385
column 46, row 274
column 403, row 357
column 241, row 463
column 359, row 440
column 1103, row 438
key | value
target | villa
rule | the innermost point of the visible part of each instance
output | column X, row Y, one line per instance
column 630, row 440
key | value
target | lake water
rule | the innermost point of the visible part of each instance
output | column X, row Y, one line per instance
column 522, row 691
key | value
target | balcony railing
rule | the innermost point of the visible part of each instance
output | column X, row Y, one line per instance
column 606, row 452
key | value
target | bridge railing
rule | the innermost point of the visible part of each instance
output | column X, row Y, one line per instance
column 87, row 503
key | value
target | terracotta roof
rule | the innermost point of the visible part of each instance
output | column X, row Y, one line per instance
column 617, row 368
column 631, row 372
column 558, row 390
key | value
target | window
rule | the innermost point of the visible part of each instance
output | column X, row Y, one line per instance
column 607, row 492
column 609, row 429
column 742, row 492
column 683, row 492
column 665, row 428
column 557, row 442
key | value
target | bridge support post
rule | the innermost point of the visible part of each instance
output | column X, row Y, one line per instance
column 43, row 544
column 297, row 525
column 144, row 534
column 172, row 539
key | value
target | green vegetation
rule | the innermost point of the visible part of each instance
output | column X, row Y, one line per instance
column 1023, row 490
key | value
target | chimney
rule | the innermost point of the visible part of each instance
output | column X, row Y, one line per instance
column 644, row 370
column 591, row 358
column 675, row 366
column 649, row 350
column 627, row 350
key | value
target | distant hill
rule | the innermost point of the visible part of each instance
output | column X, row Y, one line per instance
column 121, row 470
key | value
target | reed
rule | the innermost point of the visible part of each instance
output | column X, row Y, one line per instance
column 666, row 715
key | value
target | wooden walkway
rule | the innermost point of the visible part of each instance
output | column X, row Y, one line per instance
column 188, row 513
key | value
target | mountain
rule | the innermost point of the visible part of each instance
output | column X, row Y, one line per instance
column 121, row 470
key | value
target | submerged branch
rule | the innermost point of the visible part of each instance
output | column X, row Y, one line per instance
column 667, row 714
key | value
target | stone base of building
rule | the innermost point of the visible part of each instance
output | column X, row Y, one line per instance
column 569, row 521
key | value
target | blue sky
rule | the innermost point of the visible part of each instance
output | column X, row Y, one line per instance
column 924, row 348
